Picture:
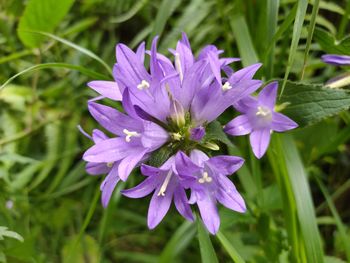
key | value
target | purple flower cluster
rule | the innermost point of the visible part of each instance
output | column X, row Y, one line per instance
column 170, row 107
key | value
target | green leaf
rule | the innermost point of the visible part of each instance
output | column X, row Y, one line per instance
column 244, row 41
column 298, row 25
column 208, row 254
column 41, row 15
column 330, row 45
column 215, row 132
column 4, row 232
column 229, row 248
column 311, row 103
column 179, row 240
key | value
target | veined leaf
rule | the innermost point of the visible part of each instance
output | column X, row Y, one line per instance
column 330, row 45
column 311, row 103
column 42, row 16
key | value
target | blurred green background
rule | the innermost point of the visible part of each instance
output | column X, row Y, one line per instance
column 297, row 196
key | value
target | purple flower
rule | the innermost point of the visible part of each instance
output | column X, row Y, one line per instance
column 207, row 179
column 338, row 60
column 259, row 119
column 165, row 182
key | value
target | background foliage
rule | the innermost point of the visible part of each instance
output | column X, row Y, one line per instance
column 297, row 196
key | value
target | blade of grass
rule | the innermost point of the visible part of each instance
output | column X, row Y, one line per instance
column 271, row 25
column 236, row 257
column 83, row 70
column 244, row 41
column 303, row 200
column 76, row 47
column 315, row 9
column 208, row 254
column 298, row 24
column 344, row 21
column 338, row 221
column 179, row 240
column 130, row 13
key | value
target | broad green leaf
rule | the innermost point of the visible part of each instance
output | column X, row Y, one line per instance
column 330, row 45
column 208, row 254
column 41, row 15
column 87, row 248
column 215, row 132
column 311, row 103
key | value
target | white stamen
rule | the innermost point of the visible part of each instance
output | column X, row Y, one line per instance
column 226, row 86
column 130, row 134
column 176, row 136
column 178, row 66
column 110, row 164
column 143, row 85
column 263, row 112
column 165, row 184
column 205, row 179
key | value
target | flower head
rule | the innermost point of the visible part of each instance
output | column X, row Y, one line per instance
column 169, row 108
column 259, row 119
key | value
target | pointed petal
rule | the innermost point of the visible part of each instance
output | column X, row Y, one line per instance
column 338, row 60
column 259, row 140
column 198, row 157
column 156, row 71
column 142, row 189
column 153, row 136
column 108, row 185
column 181, row 203
column 97, row 168
column 140, row 52
column 98, row 136
column 113, row 120
column 215, row 65
column 184, row 165
column 246, row 73
column 282, row 123
column 108, row 89
column 129, row 162
column 159, row 206
column 209, row 213
column 128, row 106
column 148, row 170
column 228, row 195
column 239, row 126
column 226, row 164
column 267, row 96
column 109, row 151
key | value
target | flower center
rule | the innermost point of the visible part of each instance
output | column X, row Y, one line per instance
column 264, row 112
column 143, row 85
column 165, row 184
column 205, row 178
column 226, row 86
column 130, row 134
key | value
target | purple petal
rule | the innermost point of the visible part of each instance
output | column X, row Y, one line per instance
column 108, row 185
column 246, row 73
column 159, row 206
column 153, row 136
column 129, row 162
column 84, row 132
column 108, row 89
column 156, row 71
column 226, row 164
column 282, row 123
column 239, row 126
column 338, row 60
column 109, row 151
column 98, row 136
column 198, row 157
column 228, row 195
column 197, row 133
column 184, row 165
column 259, row 140
column 209, row 213
column 142, row 189
column 97, row 168
column 150, row 170
column 215, row 65
column 128, row 106
column 267, row 96
column 113, row 120
column 140, row 52
column 181, row 203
